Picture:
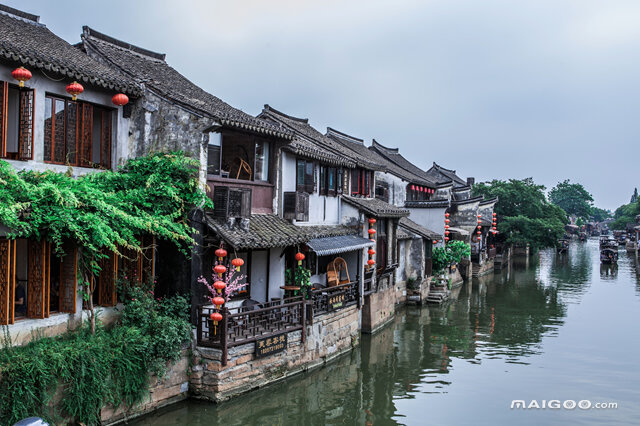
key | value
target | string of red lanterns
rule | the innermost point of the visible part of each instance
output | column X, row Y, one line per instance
column 372, row 233
column 446, row 227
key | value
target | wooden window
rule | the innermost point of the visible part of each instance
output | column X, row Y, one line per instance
column 323, row 180
column 331, row 181
column 16, row 122
column 38, row 279
column 7, row 281
column 77, row 133
column 68, row 284
column 106, row 289
column 305, row 176
column 296, row 206
column 340, row 178
column 361, row 182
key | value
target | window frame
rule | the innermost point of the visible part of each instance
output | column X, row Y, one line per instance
column 30, row 129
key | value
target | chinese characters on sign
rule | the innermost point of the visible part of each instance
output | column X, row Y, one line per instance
column 271, row 345
column 336, row 301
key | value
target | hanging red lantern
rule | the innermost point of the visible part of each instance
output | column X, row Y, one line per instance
column 371, row 252
column 221, row 253
column 237, row 262
column 435, row 241
column 120, row 99
column 479, row 216
column 446, row 239
column 218, row 301
column 371, row 231
column 21, row 74
column 371, row 262
column 494, row 228
column 215, row 317
column 219, row 285
column 479, row 227
column 446, row 227
column 495, row 214
column 447, row 220
column 446, row 215
column 220, row 269
column 299, row 258
column 413, row 187
column 74, row 89
column 372, row 221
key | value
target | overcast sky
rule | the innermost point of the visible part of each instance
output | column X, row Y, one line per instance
column 493, row 88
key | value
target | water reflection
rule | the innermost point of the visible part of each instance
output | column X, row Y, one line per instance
column 504, row 318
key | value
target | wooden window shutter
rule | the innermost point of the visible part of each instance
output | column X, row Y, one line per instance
column 302, row 207
column 105, row 140
column 36, row 279
column 86, row 134
column 309, row 177
column 107, row 280
column 68, row 279
column 4, row 93
column 289, row 205
column 220, row 201
column 25, row 125
column 72, row 132
column 6, row 282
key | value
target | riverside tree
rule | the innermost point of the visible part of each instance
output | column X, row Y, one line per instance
column 103, row 212
column 573, row 198
column 525, row 216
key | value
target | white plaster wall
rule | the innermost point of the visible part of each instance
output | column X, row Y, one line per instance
column 43, row 86
column 397, row 188
column 276, row 273
column 259, row 275
column 431, row 218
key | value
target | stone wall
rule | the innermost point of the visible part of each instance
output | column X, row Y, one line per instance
column 378, row 309
column 330, row 335
column 173, row 387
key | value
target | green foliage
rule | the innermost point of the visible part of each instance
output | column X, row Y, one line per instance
column 452, row 253
column 110, row 367
column 300, row 277
column 524, row 214
column 625, row 214
column 599, row 215
column 634, row 196
column 572, row 198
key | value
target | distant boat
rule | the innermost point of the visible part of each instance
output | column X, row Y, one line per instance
column 608, row 250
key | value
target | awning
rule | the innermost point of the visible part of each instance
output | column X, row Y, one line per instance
column 459, row 231
column 341, row 244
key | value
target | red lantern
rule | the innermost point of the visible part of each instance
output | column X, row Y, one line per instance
column 74, row 89
column 21, row 74
column 413, row 187
column 371, row 252
column 299, row 258
column 120, row 99
column 446, row 215
column 372, row 221
column 219, row 285
column 435, row 241
column 494, row 228
column 215, row 317
column 218, row 301
column 494, row 213
column 446, row 232
column 371, row 231
column 479, row 227
column 446, row 227
column 220, row 269
column 221, row 253
column 446, row 239
column 447, row 220
column 479, row 216
column 237, row 262
column 371, row 262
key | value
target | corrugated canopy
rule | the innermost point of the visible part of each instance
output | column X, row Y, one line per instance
column 340, row 244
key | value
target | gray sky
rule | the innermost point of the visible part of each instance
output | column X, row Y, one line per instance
column 492, row 88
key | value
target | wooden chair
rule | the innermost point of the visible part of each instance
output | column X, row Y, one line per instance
column 334, row 272
column 243, row 166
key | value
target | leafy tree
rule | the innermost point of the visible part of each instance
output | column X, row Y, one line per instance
column 572, row 198
column 625, row 214
column 524, row 214
column 599, row 215
column 634, row 197
column 452, row 253
column 103, row 212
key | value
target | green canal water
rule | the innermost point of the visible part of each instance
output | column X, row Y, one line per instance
column 561, row 327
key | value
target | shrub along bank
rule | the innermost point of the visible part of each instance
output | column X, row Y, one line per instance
column 74, row 375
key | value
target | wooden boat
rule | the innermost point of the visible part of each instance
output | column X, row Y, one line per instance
column 620, row 236
column 563, row 246
column 608, row 250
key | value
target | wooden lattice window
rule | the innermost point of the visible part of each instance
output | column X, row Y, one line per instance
column 77, row 133
column 37, row 276
column 7, row 281
column 16, row 122
column 107, row 281
column 138, row 267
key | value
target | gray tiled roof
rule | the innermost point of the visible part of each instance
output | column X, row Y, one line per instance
column 402, row 234
column 150, row 69
column 438, row 203
column 375, row 207
column 308, row 142
column 343, row 243
column 440, row 174
column 267, row 230
column 357, row 150
column 400, row 166
column 410, row 225
column 24, row 41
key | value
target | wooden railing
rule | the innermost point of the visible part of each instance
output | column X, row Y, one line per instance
column 241, row 325
column 334, row 298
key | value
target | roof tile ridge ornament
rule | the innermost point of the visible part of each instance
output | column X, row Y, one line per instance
column 90, row 33
column 269, row 109
column 386, row 149
column 21, row 15
column 331, row 132
column 439, row 167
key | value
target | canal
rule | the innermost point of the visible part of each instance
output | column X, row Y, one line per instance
column 559, row 327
